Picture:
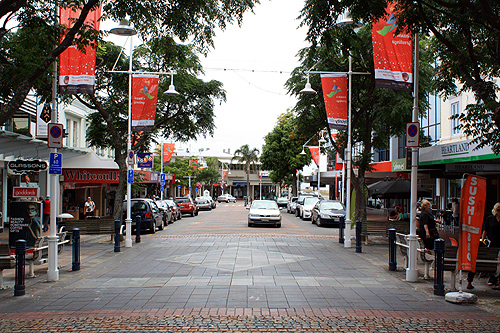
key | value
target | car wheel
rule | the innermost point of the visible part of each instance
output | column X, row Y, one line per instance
column 192, row 213
column 196, row 213
column 153, row 227
column 318, row 222
column 179, row 217
column 250, row 224
column 162, row 225
column 278, row 225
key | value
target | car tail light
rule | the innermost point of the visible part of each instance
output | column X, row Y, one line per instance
column 148, row 215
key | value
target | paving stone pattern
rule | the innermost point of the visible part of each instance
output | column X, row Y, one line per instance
column 212, row 273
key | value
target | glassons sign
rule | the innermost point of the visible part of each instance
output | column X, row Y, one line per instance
column 90, row 176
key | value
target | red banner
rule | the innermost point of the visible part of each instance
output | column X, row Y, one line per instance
column 392, row 55
column 77, row 68
column 472, row 203
column 144, row 95
column 193, row 163
column 167, row 151
column 224, row 174
column 335, row 96
column 315, row 154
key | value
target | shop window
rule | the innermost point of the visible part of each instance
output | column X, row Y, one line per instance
column 455, row 111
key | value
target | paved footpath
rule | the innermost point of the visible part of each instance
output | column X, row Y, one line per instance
column 211, row 273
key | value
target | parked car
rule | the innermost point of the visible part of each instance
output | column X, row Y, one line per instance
column 292, row 204
column 213, row 202
column 187, row 205
column 167, row 211
column 328, row 212
column 282, row 202
column 150, row 213
column 307, row 206
column 203, row 203
column 176, row 210
column 264, row 212
column 226, row 198
column 300, row 202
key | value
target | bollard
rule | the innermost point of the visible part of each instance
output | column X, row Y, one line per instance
column 358, row 236
column 392, row 249
column 118, row 224
column 76, row 249
column 439, row 267
column 341, row 229
column 19, row 286
column 138, row 229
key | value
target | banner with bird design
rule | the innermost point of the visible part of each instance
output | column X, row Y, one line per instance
column 144, row 95
column 392, row 54
column 335, row 96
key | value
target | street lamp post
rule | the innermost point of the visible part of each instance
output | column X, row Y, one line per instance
column 125, row 29
column 320, row 141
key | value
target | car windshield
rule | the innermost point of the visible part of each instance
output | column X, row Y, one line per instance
column 332, row 205
column 182, row 200
column 310, row 201
column 136, row 206
column 264, row 205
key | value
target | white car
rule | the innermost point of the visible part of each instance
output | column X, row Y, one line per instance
column 307, row 207
column 226, row 198
column 264, row 212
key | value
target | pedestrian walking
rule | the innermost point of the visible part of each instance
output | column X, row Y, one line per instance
column 89, row 207
column 46, row 213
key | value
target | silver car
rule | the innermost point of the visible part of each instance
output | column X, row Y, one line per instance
column 264, row 212
column 203, row 203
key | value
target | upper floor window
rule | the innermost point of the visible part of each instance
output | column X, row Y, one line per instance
column 455, row 111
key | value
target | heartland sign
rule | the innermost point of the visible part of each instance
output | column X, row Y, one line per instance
column 90, row 176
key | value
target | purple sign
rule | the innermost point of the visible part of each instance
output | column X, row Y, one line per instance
column 145, row 160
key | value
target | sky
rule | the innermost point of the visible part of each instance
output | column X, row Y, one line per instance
column 258, row 59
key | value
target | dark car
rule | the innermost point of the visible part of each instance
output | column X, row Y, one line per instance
column 168, row 216
column 328, row 212
column 176, row 210
column 150, row 214
column 187, row 205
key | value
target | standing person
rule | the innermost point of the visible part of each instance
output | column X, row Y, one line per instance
column 46, row 213
column 455, row 209
column 427, row 226
column 89, row 207
column 491, row 237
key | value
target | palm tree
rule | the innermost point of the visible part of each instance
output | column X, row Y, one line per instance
column 248, row 157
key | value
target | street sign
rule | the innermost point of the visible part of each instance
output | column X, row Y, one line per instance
column 131, row 176
column 130, row 157
column 55, row 135
column 162, row 179
column 162, row 188
column 412, row 134
column 55, row 171
column 55, row 160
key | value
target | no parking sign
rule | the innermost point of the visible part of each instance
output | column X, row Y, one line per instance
column 412, row 135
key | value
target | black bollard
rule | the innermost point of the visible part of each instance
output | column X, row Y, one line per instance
column 138, row 229
column 358, row 236
column 19, row 286
column 439, row 267
column 76, row 249
column 341, row 229
column 392, row 249
column 118, row 224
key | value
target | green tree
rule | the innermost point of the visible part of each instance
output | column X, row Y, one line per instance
column 464, row 39
column 180, row 118
column 377, row 114
column 249, row 157
column 281, row 152
column 33, row 44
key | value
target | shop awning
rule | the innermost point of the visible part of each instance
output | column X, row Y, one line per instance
column 14, row 145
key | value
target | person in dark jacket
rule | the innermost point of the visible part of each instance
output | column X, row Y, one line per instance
column 427, row 226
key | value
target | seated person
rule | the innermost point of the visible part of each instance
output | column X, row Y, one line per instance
column 394, row 215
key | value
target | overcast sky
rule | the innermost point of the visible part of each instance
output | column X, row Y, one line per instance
column 258, row 59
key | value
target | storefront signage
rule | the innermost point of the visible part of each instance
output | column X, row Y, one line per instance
column 90, row 176
column 473, row 167
column 399, row 165
column 456, row 152
column 25, row 192
column 22, row 166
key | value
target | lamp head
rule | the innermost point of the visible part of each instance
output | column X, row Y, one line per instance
column 124, row 29
column 171, row 91
column 346, row 20
column 308, row 90
column 302, row 152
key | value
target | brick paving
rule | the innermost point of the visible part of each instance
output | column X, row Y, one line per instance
column 212, row 273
